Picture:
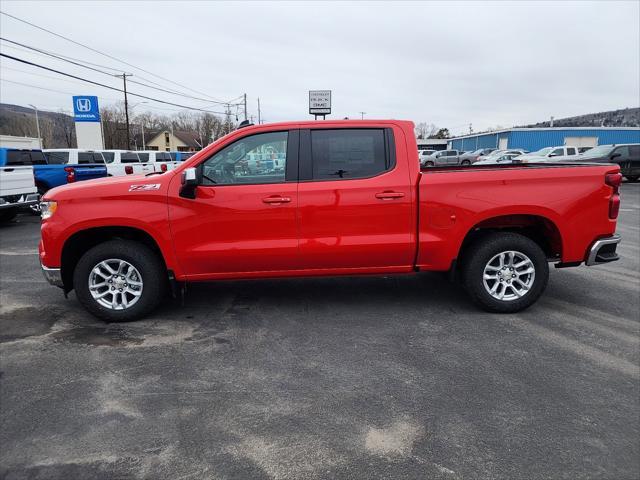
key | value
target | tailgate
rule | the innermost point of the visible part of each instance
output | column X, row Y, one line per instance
column 16, row 180
column 87, row 172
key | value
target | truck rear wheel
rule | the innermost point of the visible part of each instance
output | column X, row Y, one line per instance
column 505, row 272
column 119, row 280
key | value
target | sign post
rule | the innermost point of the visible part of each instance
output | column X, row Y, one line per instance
column 319, row 103
column 86, row 113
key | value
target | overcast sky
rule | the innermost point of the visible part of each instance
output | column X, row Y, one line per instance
column 450, row 64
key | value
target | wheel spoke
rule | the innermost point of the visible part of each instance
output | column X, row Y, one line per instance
column 102, row 295
column 96, row 286
column 525, row 272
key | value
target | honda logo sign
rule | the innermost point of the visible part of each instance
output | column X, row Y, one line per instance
column 85, row 109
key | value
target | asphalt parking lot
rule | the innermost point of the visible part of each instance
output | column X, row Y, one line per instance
column 378, row 377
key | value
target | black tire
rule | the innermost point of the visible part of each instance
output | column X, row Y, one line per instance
column 480, row 253
column 466, row 162
column 632, row 178
column 429, row 164
column 146, row 261
column 8, row 215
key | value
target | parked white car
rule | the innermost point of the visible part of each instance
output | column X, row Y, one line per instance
column 17, row 190
column 548, row 154
column 161, row 161
column 125, row 162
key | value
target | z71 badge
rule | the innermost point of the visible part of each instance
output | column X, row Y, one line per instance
column 148, row 186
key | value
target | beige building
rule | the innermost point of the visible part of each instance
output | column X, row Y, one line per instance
column 176, row 141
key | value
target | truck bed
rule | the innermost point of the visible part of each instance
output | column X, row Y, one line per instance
column 571, row 200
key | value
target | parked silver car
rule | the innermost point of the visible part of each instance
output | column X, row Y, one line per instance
column 442, row 158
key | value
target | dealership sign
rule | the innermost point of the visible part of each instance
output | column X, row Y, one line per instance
column 85, row 109
column 319, row 102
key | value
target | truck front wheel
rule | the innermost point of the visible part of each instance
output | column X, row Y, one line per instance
column 505, row 272
column 119, row 280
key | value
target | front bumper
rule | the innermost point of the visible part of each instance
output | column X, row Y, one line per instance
column 53, row 276
column 603, row 251
column 18, row 201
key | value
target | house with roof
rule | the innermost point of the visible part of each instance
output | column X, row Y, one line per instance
column 176, row 141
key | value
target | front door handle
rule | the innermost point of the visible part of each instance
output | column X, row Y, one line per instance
column 389, row 195
column 276, row 200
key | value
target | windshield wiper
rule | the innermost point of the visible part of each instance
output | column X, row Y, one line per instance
column 153, row 173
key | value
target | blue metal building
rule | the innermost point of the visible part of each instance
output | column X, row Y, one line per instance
column 533, row 139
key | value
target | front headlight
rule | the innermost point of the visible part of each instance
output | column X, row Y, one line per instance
column 47, row 209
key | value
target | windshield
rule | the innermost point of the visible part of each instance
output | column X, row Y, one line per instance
column 602, row 150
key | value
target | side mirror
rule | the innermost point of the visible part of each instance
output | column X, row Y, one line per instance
column 615, row 155
column 189, row 181
column 553, row 155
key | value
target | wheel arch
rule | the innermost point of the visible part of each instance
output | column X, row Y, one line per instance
column 83, row 240
column 540, row 229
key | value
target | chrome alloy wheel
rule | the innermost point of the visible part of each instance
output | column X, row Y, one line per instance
column 509, row 275
column 115, row 284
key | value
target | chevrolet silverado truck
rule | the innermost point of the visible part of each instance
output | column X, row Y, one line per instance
column 350, row 200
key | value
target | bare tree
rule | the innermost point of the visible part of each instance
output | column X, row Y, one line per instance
column 425, row 130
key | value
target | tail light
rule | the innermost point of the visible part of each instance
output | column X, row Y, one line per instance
column 71, row 174
column 163, row 167
column 614, row 180
column 128, row 169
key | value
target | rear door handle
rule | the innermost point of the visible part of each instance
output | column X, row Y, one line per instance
column 276, row 199
column 389, row 195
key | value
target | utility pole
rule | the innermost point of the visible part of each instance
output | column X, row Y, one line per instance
column 259, row 119
column 126, row 106
column 470, row 128
column 37, row 125
column 245, row 105
column 362, row 115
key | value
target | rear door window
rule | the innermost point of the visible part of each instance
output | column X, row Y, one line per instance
column 90, row 157
column 57, row 158
column 348, row 153
column 108, row 156
column 129, row 157
column 144, row 157
column 571, row 151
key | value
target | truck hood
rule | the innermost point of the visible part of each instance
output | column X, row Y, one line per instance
column 110, row 186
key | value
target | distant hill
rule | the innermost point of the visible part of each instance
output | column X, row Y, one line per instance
column 627, row 117
column 56, row 128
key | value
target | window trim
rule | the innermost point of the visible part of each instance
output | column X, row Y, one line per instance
column 291, row 161
column 306, row 159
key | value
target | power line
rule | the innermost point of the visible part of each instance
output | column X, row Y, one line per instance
column 108, row 86
column 60, row 57
column 105, row 54
column 22, row 84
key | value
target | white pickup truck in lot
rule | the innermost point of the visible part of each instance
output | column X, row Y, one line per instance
column 124, row 162
column 161, row 161
column 17, row 190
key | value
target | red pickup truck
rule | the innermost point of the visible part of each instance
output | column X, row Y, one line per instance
column 325, row 198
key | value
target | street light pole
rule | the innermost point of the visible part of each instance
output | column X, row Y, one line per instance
column 37, row 125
